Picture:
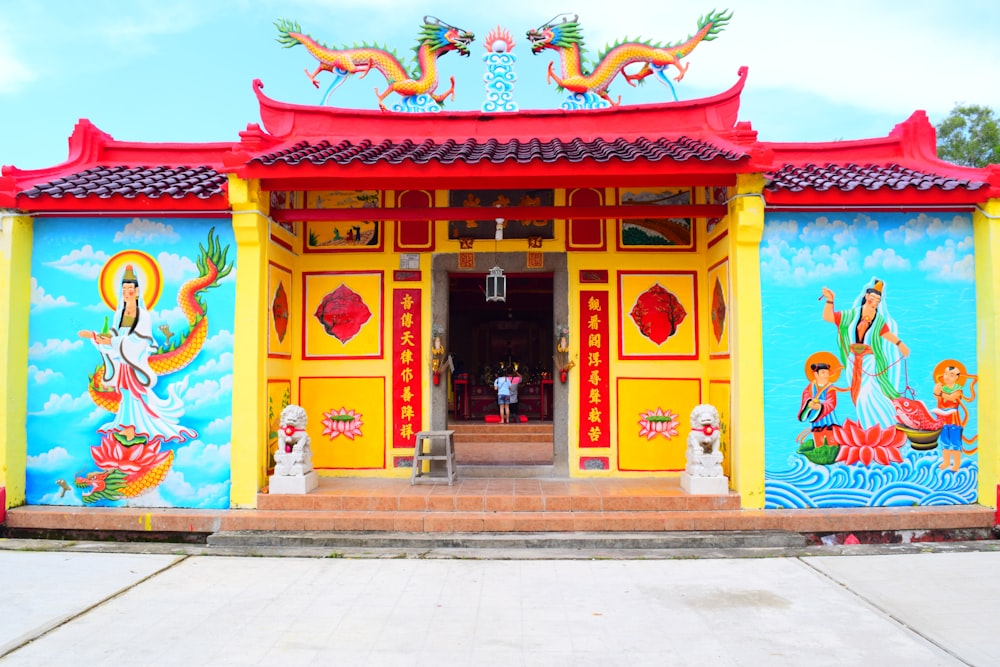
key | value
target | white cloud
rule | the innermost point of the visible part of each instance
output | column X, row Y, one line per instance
column 141, row 231
column 49, row 461
column 53, row 347
column 84, row 263
column 776, row 229
column 784, row 264
column 62, row 498
column 206, row 458
column 41, row 301
column 841, row 233
column 219, row 343
column 41, row 376
column 222, row 426
column 176, row 268
column 209, row 392
column 945, row 263
column 216, row 365
column 151, row 498
column 206, row 495
column 65, row 403
column 927, row 225
column 883, row 258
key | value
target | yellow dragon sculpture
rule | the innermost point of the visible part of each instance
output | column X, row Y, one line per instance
column 436, row 38
column 564, row 35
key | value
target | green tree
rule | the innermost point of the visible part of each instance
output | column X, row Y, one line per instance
column 970, row 136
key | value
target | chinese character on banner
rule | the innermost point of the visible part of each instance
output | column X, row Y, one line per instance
column 536, row 259
column 407, row 392
column 595, row 371
column 466, row 257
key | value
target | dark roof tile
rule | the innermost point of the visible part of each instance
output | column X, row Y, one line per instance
column 130, row 182
column 473, row 151
column 848, row 177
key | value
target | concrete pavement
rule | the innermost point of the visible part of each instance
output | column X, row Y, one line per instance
column 141, row 604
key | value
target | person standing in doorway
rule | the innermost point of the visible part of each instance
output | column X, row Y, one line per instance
column 515, row 381
column 502, row 386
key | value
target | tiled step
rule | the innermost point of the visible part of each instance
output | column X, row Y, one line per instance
column 884, row 524
column 503, row 444
column 503, row 505
column 503, row 453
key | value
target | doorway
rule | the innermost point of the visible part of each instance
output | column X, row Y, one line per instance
column 493, row 337
column 537, row 301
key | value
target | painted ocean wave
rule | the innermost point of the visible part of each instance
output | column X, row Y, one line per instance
column 918, row 480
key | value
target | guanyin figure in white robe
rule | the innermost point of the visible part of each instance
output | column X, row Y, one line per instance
column 126, row 350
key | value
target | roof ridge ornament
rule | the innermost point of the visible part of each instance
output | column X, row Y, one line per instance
column 435, row 39
column 589, row 89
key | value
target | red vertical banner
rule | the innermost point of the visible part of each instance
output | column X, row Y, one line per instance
column 595, row 371
column 407, row 351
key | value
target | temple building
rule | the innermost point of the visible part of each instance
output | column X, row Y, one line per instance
column 836, row 302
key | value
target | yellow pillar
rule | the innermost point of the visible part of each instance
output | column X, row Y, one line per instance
column 250, row 227
column 986, row 233
column 746, row 220
column 15, row 304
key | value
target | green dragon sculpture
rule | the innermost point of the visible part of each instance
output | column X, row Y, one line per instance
column 435, row 39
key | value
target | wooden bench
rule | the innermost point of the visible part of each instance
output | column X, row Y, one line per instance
column 440, row 447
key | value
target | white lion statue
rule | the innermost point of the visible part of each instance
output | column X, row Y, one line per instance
column 294, row 457
column 703, row 456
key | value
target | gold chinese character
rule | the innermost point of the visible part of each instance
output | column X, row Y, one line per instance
column 407, row 394
column 406, row 412
column 595, row 415
column 407, row 302
column 595, row 396
column 594, row 359
column 595, row 378
column 406, row 321
column 406, row 432
column 406, row 357
column 594, row 322
column 594, row 433
column 407, row 374
column 406, row 338
column 594, row 304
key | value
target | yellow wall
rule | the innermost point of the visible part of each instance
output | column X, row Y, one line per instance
column 746, row 220
column 15, row 303
column 986, row 230
column 250, row 228
column 688, row 382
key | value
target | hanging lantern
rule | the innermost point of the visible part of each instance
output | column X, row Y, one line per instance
column 496, row 285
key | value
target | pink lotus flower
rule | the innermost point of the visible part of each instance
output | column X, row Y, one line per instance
column 111, row 455
column 859, row 445
column 658, row 422
column 342, row 422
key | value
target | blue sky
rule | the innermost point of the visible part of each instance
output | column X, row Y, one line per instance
column 181, row 70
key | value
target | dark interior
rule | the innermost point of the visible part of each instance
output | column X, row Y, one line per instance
column 484, row 337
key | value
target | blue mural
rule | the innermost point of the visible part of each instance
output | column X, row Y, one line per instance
column 869, row 336
column 130, row 377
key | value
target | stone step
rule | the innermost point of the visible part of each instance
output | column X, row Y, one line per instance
column 544, row 540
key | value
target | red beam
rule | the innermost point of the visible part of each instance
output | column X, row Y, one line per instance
column 506, row 212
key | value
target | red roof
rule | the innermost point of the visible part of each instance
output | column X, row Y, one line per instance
column 690, row 142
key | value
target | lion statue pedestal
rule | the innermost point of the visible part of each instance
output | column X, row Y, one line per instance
column 703, row 475
column 293, row 470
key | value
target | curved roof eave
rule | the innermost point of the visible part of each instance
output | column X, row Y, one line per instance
column 710, row 115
